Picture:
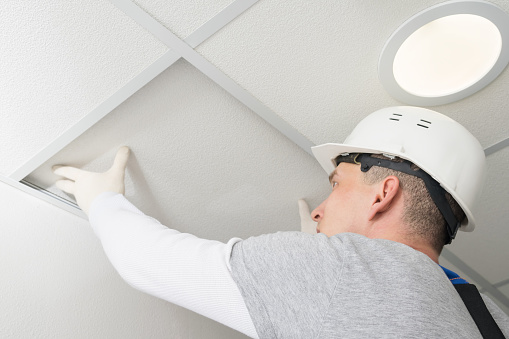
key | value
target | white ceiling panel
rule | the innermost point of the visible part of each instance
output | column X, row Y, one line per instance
column 316, row 65
column 486, row 248
column 182, row 17
column 202, row 162
column 59, row 60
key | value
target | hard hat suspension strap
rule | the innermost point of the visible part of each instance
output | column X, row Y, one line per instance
column 436, row 192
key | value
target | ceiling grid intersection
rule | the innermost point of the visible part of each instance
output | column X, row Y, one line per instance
column 216, row 75
column 169, row 58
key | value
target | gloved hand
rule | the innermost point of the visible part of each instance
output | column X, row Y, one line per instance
column 307, row 224
column 86, row 186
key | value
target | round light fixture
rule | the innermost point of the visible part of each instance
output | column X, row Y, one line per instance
column 445, row 53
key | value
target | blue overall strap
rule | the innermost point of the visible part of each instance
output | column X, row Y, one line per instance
column 453, row 277
column 475, row 306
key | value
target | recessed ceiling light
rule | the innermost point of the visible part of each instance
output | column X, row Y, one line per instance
column 445, row 53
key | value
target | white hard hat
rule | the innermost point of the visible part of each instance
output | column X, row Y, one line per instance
column 440, row 146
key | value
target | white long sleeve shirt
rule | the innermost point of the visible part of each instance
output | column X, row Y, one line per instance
column 178, row 267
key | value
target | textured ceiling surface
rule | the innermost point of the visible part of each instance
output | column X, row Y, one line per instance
column 316, row 66
column 183, row 17
column 59, row 60
column 202, row 161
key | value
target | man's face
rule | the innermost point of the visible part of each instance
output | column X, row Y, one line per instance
column 346, row 208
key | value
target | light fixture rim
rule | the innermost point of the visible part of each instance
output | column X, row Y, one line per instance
column 485, row 9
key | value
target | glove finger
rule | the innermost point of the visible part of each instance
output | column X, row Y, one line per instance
column 307, row 224
column 120, row 162
column 66, row 186
column 304, row 213
column 67, row 172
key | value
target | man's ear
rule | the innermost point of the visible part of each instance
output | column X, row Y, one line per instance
column 385, row 193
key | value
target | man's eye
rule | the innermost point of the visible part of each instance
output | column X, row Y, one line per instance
column 334, row 183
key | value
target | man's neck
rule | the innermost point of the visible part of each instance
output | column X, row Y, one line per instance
column 415, row 244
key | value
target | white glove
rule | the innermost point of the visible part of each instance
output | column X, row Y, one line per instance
column 307, row 224
column 86, row 186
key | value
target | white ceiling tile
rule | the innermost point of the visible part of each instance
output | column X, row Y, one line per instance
column 182, row 17
column 313, row 64
column 316, row 65
column 486, row 113
column 504, row 4
column 60, row 60
column 202, row 162
column 487, row 248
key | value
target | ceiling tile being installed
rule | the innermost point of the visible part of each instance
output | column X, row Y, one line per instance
column 202, row 162
column 71, row 58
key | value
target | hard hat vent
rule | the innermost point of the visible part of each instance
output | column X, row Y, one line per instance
column 395, row 116
column 427, row 123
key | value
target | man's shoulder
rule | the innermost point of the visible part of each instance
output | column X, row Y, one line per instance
column 343, row 243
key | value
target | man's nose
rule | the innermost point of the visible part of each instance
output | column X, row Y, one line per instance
column 317, row 213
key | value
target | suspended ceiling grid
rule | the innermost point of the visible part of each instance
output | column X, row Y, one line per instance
column 285, row 60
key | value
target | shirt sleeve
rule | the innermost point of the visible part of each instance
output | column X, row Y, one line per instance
column 287, row 280
column 178, row 267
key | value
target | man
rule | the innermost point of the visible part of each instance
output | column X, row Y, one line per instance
column 403, row 183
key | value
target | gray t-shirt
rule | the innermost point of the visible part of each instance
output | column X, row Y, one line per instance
column 297, row 285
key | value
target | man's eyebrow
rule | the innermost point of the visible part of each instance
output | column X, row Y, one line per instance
column 332, row 175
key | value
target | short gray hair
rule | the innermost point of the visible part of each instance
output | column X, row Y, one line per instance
column 419, row 212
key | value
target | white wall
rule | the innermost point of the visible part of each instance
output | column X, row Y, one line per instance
column 56, row 282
